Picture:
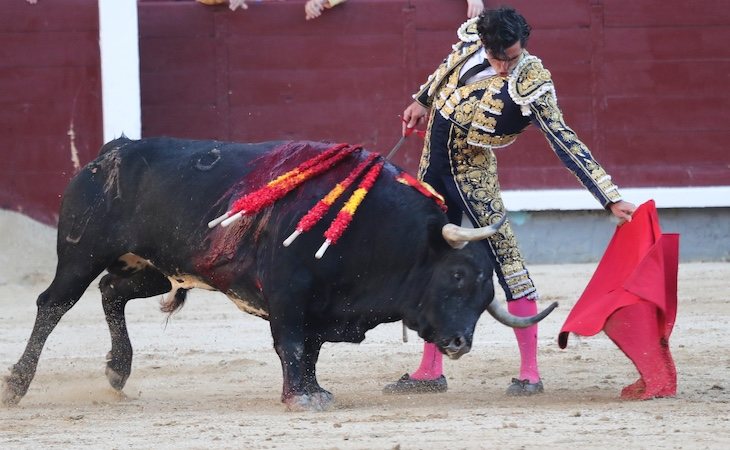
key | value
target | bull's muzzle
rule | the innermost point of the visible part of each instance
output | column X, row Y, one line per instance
column 456, row 347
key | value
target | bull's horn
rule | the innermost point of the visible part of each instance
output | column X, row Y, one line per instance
column 499, row 312
column 458, row 237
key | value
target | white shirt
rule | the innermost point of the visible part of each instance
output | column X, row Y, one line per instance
column 477, row 58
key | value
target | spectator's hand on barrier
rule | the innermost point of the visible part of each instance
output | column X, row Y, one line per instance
column 474, row 8
column 623, row 211
column 313, row 9
column 232, row 4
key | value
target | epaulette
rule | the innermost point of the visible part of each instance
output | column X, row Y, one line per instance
column 467, row 32
column 529, row 80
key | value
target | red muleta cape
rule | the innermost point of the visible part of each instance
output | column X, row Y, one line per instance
column 632, row 296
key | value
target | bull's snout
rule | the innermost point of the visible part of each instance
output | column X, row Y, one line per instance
column 456, row 347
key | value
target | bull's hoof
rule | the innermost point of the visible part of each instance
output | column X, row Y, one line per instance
column 116, row 379
column 315, row 401
column 10, row 393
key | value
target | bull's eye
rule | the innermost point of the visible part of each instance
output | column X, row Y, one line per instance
column 458, row 276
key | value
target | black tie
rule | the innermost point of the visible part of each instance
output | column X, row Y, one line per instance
column 473, row 71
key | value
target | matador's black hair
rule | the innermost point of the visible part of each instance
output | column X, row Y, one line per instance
column 501, row 28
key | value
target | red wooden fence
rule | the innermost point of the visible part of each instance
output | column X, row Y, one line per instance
column 50, row 105
column 641, row 82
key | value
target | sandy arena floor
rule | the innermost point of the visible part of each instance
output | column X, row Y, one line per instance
column 209, row 377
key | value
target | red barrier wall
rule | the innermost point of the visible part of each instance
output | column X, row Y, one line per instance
column 50, row 104
column 637, row 80
column 641, row 82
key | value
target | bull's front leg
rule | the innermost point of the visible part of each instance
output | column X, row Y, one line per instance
column 298, row 354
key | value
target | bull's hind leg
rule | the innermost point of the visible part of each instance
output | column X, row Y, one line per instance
column 117, row 288
column 68, row 285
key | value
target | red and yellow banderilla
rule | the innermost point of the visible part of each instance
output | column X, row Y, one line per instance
column 280, row 186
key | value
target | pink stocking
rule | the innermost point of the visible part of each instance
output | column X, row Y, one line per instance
column 431, row 363
column 526, row 339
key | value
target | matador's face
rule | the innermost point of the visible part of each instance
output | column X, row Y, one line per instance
column 503, row 64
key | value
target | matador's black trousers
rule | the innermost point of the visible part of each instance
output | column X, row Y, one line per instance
column 466, row 176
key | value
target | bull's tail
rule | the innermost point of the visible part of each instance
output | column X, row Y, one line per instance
column 173, row 301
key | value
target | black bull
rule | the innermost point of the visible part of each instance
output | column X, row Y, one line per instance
column 141, row 209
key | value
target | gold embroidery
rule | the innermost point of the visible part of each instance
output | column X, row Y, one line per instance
column 531, row 78
column 474, row 107
column 426, row 153
column 475, row 172
column 462, row 52
column 467, row 32
column 487, row 141
column 484, row 121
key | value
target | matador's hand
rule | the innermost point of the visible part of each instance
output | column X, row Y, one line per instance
column 623, row 211
column 413, row 115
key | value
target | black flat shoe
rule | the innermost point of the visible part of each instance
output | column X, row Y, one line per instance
column 407, row 385
column 524, row 388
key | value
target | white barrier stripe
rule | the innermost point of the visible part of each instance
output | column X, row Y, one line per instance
column 581, row 199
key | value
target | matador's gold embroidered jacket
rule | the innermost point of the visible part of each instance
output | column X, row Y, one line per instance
column 495, row 110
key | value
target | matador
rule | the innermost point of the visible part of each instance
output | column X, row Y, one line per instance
column 486, row 92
